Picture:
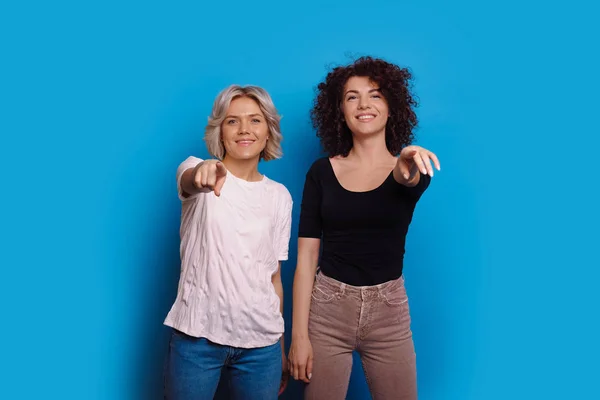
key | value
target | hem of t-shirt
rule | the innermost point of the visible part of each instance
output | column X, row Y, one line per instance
column 309, row 235
column 222, row 342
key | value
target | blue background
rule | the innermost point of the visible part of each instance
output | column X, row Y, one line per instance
column 100, row 101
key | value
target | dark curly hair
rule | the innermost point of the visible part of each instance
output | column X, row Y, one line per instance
column 394, row 83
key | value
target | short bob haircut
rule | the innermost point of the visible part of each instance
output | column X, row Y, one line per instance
column 212, row 133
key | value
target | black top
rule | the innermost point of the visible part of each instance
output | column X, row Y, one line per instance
column 363, row 233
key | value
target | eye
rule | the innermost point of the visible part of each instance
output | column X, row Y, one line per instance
column 351, row 97
column 231, row 121
column 256, row 121
column 376, row 96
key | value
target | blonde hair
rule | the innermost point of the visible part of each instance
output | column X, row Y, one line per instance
column 212, row 133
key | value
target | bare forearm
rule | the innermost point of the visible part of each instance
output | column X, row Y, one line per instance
column 279, row 290
column 187, row 182
column 303, row 285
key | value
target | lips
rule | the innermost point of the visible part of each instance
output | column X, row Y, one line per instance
column 365, row 117
column 244, row 142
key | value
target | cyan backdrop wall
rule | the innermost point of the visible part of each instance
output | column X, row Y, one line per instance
column 100, row 101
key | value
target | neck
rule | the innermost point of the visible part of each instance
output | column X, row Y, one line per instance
column 243, row 169
column 370, row 149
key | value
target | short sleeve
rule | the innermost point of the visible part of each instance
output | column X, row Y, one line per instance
column 310, row 225
column 417, row 191
column 189, row 162
column 283, row 227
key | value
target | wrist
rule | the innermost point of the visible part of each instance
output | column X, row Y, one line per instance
column 299, row 335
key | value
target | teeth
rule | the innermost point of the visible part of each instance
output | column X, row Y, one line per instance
column 366, row 117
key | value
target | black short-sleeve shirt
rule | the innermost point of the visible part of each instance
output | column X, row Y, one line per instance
column 363, row 233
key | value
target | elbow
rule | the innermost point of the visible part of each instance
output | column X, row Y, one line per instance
column 308, row 255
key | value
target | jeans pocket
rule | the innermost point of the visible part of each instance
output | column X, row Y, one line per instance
column 322, row 294
column 396, row 297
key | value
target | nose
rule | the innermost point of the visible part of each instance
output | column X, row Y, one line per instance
column 244, row 127
column 363, row 103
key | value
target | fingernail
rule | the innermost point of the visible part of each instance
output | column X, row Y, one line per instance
column 309, row 376
column 405, row 176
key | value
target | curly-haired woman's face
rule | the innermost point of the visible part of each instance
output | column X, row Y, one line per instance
column 244, row 131
column 364, row 107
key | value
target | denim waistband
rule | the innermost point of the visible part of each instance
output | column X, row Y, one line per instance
column 342, row 287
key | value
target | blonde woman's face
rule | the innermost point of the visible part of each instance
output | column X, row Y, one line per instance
column 244, row 131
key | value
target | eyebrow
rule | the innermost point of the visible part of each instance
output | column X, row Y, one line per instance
column 356, row 91
column 250, row 115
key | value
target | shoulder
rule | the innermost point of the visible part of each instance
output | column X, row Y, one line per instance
column 190, row 162
column 279, row 191
column 193, row 159
column 319, row 167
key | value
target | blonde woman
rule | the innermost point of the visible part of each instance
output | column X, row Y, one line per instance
column 235, row 229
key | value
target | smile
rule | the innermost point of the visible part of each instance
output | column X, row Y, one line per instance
column 244, row 142
column 365, row 117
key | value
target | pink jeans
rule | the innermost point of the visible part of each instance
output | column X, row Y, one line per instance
column 374, row 321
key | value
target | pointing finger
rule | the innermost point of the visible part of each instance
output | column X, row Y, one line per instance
column 436, row 162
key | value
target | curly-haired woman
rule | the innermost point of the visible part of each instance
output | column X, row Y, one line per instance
column 358, row 203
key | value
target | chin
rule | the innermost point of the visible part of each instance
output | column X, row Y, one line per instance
column 367, row 131
column 244, row 156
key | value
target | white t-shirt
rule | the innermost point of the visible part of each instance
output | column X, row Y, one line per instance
column 230, row 248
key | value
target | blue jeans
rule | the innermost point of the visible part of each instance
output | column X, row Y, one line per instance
column 195, row 365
